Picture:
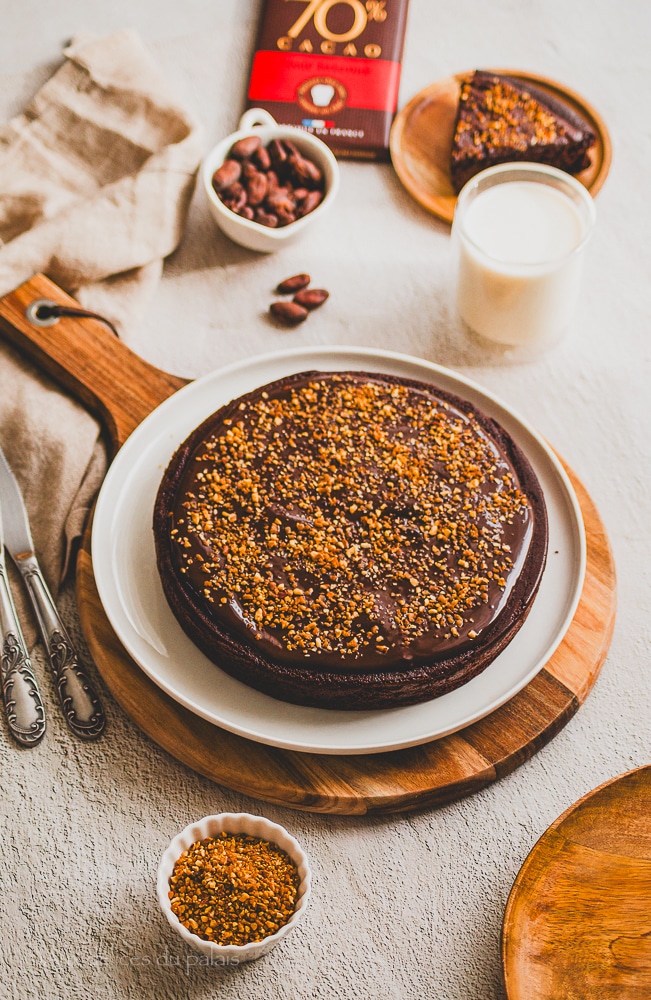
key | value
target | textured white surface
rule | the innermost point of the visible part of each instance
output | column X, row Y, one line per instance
column 401, row 906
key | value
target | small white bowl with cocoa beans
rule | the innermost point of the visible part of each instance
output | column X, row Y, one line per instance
column 266, row 183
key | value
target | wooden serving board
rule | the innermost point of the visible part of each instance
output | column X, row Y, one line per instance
column 121, row 389
column 578, row 920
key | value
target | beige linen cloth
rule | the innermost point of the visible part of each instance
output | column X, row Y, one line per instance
column 96, row 177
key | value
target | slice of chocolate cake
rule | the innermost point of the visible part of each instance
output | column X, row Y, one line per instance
column 501, row 119
column 350, row 540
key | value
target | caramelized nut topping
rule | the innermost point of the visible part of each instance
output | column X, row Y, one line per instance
column 348, row 516
column 233, row 889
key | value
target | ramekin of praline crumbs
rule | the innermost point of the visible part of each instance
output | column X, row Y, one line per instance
column 233, row 885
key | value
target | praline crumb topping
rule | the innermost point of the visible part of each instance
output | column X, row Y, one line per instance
column 350, row 518
column 500, row 119
column 508, row 118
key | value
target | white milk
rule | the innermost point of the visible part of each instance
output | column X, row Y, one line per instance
column 519, row 255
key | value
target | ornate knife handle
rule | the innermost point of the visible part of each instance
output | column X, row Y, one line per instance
column 25, row 709
column 79, row 700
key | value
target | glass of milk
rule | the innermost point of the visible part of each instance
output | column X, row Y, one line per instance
column 518, row 235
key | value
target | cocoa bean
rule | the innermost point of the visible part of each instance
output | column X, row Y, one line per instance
column 300, row 193
column 309, row 203
column 247, row 213
column 288, row 313
column 272, row 181
column 266, row 218
column 292, row 150
column 285, row 217
column 281, row 200
column 311, row 298
column 229, row 172
column 234, row 197
column 257, row 187
column 261, row 158
column 278, row 155
column 303, row 172
column 306, row 173
column 315, row 172
column 293, row 284
column 233, row 190
column 249, row 169
column 246, row 147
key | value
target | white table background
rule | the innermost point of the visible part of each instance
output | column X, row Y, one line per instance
column 402, row 906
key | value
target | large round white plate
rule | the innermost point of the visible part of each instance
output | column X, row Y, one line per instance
column 130, row 590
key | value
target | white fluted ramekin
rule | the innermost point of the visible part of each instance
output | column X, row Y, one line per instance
column 254, row 826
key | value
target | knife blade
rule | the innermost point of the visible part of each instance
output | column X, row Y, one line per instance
column 22, row 698
column 79, row 700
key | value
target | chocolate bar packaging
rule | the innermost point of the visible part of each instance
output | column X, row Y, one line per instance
column 332, row 67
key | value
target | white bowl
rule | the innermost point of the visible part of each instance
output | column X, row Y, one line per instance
column 212, row 826
column 252, row 235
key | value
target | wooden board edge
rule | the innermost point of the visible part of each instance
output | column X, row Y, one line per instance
column 412, row 779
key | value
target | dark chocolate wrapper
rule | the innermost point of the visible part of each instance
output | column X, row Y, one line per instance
column 332, row 67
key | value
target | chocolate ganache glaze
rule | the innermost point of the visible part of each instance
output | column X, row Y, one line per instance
column 350, row 540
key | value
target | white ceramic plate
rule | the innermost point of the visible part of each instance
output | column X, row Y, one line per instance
column 130, row 590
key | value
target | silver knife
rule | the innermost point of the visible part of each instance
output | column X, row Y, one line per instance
column 22, row 698
column 79, row 700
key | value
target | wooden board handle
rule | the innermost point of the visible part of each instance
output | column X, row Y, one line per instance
column 87, row 359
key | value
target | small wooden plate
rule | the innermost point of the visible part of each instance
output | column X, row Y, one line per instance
column 421, row 139
column 578, row 920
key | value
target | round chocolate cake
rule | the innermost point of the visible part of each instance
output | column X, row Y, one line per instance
column 350, row 540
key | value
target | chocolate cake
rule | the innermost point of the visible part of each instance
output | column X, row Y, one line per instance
column 350, row 540
column 500, row 119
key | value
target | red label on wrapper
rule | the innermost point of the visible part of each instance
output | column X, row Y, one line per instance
column 332, row 67
column 280, row 76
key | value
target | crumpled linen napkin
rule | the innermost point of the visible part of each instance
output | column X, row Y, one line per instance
column 96, row 177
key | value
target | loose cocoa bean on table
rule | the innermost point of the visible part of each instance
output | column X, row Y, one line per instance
column 311, row 298
column 278, row 182
column 288, row 313
column 304, row 301
column 293, row 284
